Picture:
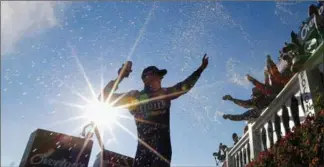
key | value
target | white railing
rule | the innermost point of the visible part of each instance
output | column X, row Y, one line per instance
column 240, row 154
column 289, row 108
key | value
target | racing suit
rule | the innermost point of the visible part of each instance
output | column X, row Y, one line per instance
column 151, row 110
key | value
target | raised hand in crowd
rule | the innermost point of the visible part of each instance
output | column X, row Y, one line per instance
column 227, row 97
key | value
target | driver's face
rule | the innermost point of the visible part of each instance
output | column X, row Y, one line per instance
column 152, row 79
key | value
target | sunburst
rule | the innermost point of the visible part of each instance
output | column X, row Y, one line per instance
column 102, row 111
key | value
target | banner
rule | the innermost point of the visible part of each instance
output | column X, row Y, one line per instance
column 112, row 159
column 51, row 149
column 310, row 34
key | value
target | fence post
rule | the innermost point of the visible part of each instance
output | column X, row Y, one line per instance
column 229, row 160
column 254, row 139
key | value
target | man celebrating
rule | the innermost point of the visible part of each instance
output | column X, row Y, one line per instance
column 151, row 109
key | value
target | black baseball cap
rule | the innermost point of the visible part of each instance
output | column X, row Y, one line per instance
column 153, row 70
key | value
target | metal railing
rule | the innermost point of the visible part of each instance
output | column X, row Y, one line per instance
column 288, row 109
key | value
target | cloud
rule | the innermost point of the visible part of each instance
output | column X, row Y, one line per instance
column 19, row 18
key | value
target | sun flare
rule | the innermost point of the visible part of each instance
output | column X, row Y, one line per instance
column 102, row 114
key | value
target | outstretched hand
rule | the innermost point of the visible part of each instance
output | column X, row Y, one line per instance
column 204, row 62
column 249, row 77
column 225, row 116
column 269, row 58
column 227, row 97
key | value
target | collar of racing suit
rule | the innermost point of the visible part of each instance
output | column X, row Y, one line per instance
column 149, row 89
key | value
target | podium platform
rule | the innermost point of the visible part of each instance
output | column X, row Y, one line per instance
column 51, row 149
column 113, row 159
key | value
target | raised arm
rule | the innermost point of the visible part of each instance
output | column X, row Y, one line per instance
column 109, row 95
column 265, row 89
column 186, row 85
column 109, row 90
column 243, row 103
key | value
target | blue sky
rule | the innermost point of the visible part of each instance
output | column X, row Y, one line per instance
column 39, row 72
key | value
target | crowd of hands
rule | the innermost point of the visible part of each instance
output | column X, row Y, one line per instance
column 289, row 54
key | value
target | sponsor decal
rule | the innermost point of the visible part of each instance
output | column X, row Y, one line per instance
column 305, row 93
column 43, row 159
